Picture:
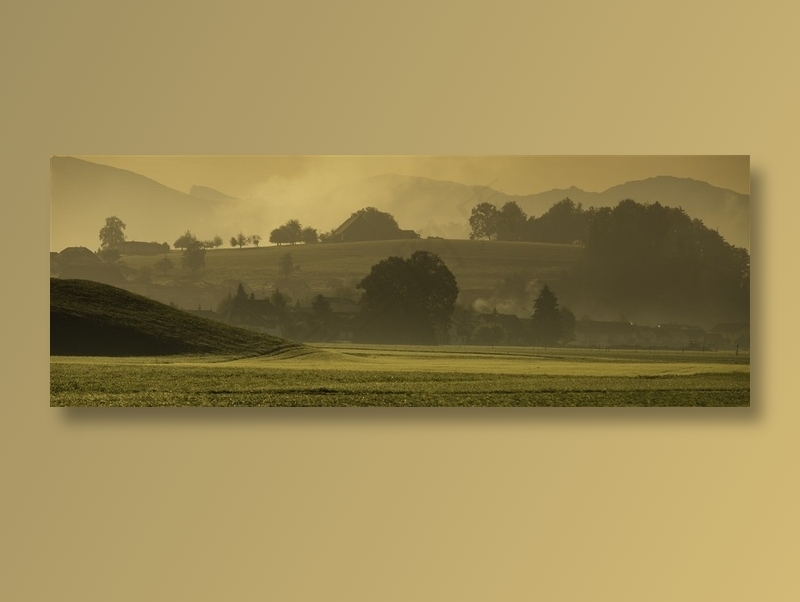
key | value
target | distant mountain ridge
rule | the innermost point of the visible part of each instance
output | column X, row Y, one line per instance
column 85, row 193
column 209, row 194
column 442, row 208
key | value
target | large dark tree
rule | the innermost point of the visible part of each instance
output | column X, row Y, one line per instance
column 294, row 231
column 408, row 300
column 483, row 221
column 564, row 222
column 510, row 222
column 310, row 235
column 112, row 237
column 113, row 233
column 289, row 233
column 546, row 322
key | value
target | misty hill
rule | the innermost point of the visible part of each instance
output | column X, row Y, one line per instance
column 719, row 208
column 89, row 318
column 442, row 208
column 84, row 194
column 209, row 194
column 430, row 207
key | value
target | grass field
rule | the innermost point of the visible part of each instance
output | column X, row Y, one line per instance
column 475, row 263
column 350, row 375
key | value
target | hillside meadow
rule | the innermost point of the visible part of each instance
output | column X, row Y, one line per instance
column 360, row 375
column 476, row 264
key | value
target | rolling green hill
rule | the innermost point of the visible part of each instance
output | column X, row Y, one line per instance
column 475, row 264
column 89, row 318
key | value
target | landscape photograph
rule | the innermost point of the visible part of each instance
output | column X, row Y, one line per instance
column 400, row 281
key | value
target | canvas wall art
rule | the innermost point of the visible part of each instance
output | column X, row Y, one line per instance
column 400, row 281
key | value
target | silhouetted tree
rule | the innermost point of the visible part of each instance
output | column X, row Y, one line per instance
column 294, row 231
column 279, row 236
column 565, row 222
column 546, row 322
column 240, row 240
column 510, row 222
column 186, row 240
column 112, row 237
column 256, row 239
column 408, row 300
column 483, row 221
column 289, row 233
column 113, row 233
column 310, row 236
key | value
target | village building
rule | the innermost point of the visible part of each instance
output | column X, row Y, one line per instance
column 358, row 228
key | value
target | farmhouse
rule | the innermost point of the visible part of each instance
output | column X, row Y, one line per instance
column 359, row 228
column 81, row 263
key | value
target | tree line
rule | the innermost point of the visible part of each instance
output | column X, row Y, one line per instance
column 404, row 300
column 639, row 260
column 565, row 222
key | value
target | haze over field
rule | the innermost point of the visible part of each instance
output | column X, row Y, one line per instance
column 160, row 197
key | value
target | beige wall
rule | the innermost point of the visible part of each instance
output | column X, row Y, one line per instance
column 607, row 504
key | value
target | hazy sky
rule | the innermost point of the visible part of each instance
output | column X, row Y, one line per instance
column 246, row 176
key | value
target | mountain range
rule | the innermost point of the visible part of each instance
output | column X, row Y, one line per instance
column 85, row 193
column 442, row 208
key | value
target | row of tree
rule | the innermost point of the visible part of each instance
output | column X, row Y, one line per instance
column 292, row 232
column 643, row 261
column 564, row 222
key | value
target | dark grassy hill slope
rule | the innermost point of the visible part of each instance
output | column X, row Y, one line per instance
column 89, row 318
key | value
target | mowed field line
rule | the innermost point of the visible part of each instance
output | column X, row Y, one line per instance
column 454, row 360
column 503, row 361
